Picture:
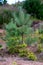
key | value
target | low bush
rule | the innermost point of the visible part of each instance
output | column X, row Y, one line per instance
column 23, row 52
column 13, row 50
column 31, row 56
column 39, row 48
column 26, row 53
column 16, row 49
column 14, row 63
column 22, row 45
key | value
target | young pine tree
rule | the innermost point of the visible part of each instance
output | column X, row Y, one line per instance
column 23, row 22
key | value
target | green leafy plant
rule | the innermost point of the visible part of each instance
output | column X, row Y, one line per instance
column 31, row 40
column 16, row 48
column 12, row 38
column 5, row 16
column 0, row 46
column 39, row 48
column 41, row 34
column 31, row 56
column 24, row 45
column 14, row 63
column 23, row 52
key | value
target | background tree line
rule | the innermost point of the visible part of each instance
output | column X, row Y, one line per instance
column 34, row 7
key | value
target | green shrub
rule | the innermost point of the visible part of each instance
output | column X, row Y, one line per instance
column 5, row 16
column 31, row 56
column 39, row 48
column 15, row 63
column 12, row 44
column 26, row 53
column 22, row 45
column 13, row 49
column 23, row 52
column 16, row 48
column 0, row 46
column 31, row 40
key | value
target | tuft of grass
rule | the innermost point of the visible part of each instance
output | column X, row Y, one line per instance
column 14, row 63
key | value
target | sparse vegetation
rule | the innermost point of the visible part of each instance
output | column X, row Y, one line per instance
column 23, row 30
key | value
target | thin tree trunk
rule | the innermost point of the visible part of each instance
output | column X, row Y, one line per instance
column 22, row 38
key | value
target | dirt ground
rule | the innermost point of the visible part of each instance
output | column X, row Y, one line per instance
column 17, row 61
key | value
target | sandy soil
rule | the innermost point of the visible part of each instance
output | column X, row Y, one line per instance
column 17, row 61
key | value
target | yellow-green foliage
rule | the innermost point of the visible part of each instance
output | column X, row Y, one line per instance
column 14, row 63
column 28, row 54
column 22, row 45
column 39, row 48
column 31, row 56
column 41, row 35
column 15, row 49
column 23, row 52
